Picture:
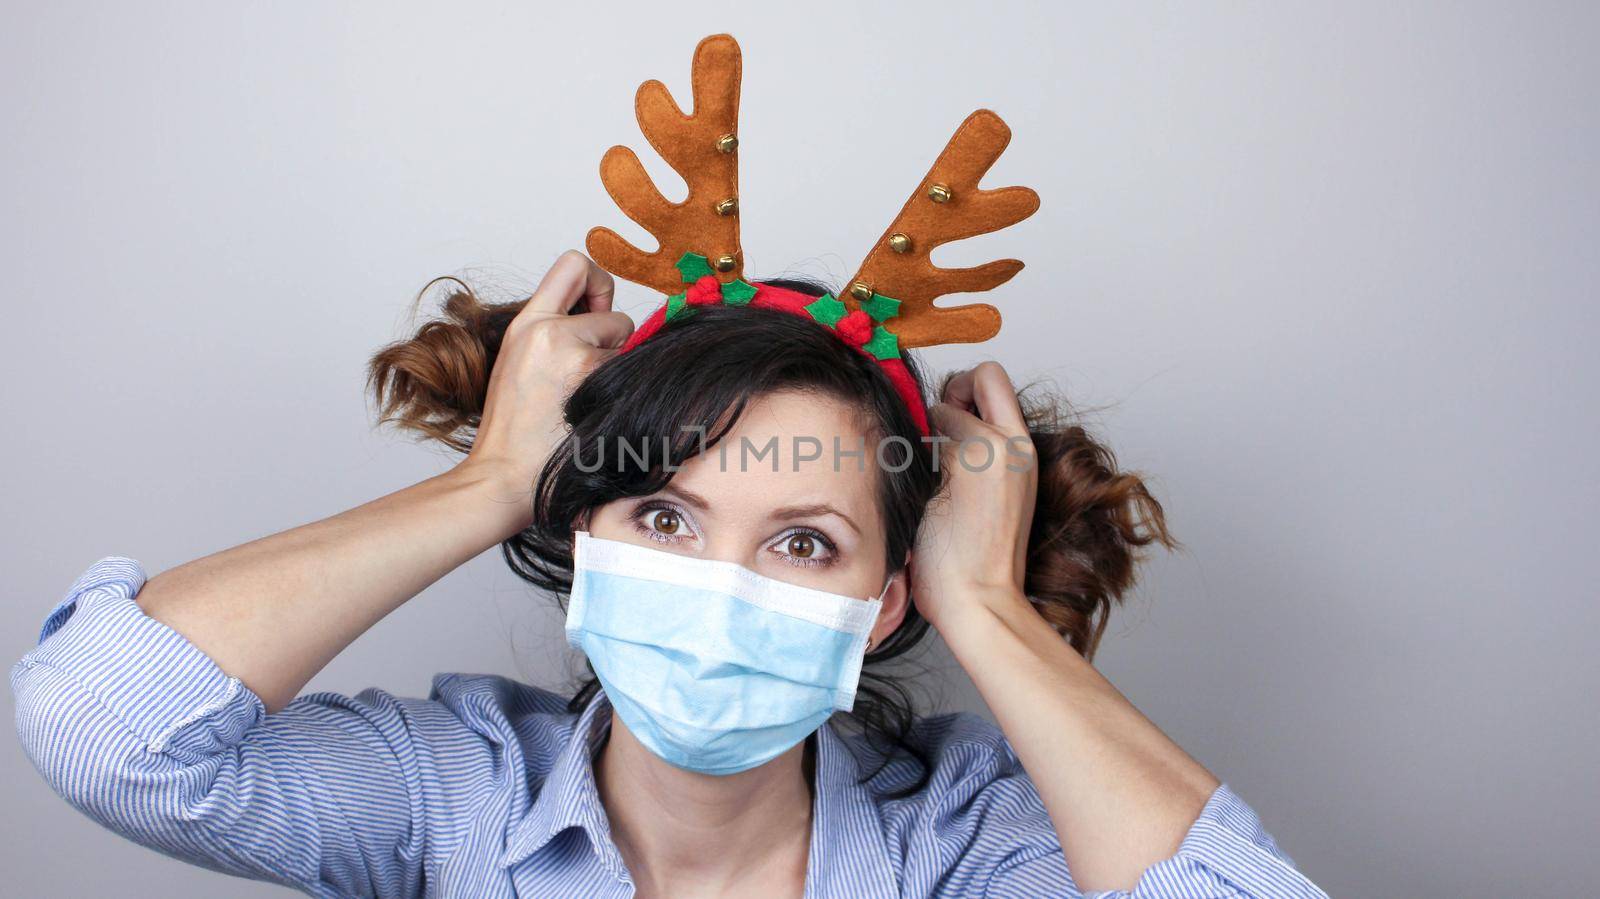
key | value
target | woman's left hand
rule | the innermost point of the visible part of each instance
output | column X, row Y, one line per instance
column 972, row 546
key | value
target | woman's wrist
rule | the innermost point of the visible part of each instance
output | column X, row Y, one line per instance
column 506, row 489
column 978, row 604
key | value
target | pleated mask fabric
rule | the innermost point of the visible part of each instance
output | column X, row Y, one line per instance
column 713, row 667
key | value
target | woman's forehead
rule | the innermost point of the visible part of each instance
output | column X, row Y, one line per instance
column 789, row 449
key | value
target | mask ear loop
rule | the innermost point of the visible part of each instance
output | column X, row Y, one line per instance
column 881, row 594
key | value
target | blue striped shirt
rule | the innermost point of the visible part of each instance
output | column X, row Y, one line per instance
column 486, row 788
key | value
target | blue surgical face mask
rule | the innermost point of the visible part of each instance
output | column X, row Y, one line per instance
column 713, row 667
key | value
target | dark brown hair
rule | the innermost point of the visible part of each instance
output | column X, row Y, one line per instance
column 1090, row 521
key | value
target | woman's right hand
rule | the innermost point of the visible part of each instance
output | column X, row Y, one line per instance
column 564, row 331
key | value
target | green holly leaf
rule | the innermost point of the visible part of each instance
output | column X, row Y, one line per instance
column 737, row 292
column 883, row 345
column 675, row 304
column 693, row 267
column 826, row 309
column 881, row 307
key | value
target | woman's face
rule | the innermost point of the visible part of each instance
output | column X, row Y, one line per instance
column 752, row 499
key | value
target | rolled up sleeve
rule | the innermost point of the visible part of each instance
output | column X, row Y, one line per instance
column 98, row 645
column 1226, row 854
column 142, row 731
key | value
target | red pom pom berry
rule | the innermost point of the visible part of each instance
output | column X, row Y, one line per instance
column 855, row 328
column 704, row 291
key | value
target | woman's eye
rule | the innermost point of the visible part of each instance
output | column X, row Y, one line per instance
column 806, row 548
column 665, row 521
column 662, row 524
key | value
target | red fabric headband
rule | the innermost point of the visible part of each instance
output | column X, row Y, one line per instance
column 860, row 329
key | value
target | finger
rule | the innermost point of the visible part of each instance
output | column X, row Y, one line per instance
column 968, row 436
column 996, row 398
column 958, row 391
column 599, row 288
column 954, row 422
column 987, row 391
column 560, row 287
column 573, row 278
column 602, row 329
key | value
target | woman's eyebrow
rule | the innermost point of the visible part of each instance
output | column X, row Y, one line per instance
column 693, row 499
column 789, row 512
column 784, row 514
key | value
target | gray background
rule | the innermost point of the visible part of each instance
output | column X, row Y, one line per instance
column 1325, row 273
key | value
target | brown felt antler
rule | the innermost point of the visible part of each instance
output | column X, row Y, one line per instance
column 947, row 206
column 700, row 146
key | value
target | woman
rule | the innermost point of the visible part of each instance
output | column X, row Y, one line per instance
column 168, row 709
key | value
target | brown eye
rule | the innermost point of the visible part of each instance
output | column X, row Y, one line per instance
column 802, row 546
column 665, row 520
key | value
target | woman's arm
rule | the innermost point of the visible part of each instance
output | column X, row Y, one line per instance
column 275, row 611
column 161, row 739
column 140, row 707
column 1121, row 795
column 142, row 732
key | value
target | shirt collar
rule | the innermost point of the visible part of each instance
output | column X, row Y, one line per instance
column 569, row 796
column 847, row 857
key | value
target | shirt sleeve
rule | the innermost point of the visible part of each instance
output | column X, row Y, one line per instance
column 139, row 729
column 1227, row 854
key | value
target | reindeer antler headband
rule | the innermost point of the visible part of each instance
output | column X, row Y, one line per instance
column 889, row 304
